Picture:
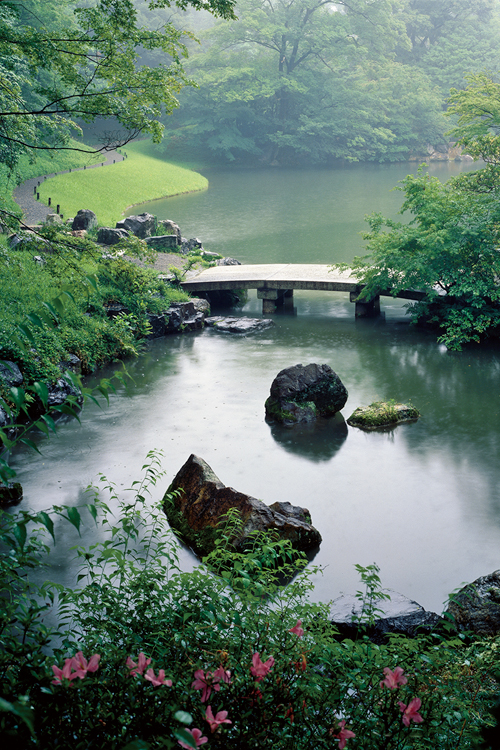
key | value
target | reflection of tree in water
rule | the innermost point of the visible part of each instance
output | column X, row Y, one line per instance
column 318, row 441
column 458, row 395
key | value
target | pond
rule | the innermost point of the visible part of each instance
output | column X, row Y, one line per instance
column 422, row 500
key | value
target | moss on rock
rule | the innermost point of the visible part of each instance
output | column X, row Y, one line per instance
column 382, row 414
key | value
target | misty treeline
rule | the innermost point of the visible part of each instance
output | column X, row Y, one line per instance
column 311, row 81
column 262, row 81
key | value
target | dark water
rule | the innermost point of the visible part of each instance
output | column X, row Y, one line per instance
column 423, row 500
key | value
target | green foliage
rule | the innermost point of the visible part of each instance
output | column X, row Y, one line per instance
column 83, row 63
column 208, row 629
column 448, row 249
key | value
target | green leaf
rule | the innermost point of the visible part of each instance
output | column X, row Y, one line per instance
column 42, row 391
column 19, row 532
column 47, row 521
column 187, row 737
column 30, row 444
column 184, row 717
column 18, row 396
column 92, row 280
column 27, row 332
column 23, row 712
column 74, row 518
column 136, row 745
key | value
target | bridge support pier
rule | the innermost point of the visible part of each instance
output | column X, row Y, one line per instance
column 365, row 308
column 271, row 298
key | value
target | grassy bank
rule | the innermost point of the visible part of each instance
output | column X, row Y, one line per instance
column 109, row 191
column 46, row 163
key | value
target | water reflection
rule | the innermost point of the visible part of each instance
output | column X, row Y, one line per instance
column 317, row 441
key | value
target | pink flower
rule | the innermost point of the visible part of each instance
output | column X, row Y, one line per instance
column 220, row 675
column 64, row 673
column 156, row 681
column 297, row 629
column 79, row 662
column 393, row 679
column 343, row 735
column 410, row 712
column 140, row 666
column 259, row 668
column 217, row 720
column 197, row 737
column 206, row 683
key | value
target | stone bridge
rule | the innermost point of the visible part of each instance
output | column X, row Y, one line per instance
column 275, row 284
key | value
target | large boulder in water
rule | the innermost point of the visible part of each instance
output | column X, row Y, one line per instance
column 142, row 225
column 476, row 607
column 301, row 394
column 199, row 501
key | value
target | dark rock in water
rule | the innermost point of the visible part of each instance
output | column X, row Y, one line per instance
column 85, row 219
column 301, row 394
column 476, row 607
column 183, row 316
column 400, row 615
column 11, row 494
column 162, row 242
column 59, row 392
column 238, row 325
column 195, row 511
column 227, row 262
column 142, row 225
column 382, row 414
column 110, row 236
column 10, row 373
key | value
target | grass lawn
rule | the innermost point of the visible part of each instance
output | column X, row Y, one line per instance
column 109, row 190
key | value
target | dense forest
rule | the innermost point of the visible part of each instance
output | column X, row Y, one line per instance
column 269, row 81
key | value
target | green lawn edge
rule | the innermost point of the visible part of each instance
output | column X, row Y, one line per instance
column 110, row 190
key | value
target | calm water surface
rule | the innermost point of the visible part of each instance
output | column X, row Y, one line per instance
column 423, row 500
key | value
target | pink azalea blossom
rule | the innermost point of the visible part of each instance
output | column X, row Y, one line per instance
column 217, row 720
column 64, row 673
column 297, row 629
column 394, row 679
column 141, row 665
column 197, row 737
column 156, row 681
column 82, row 666
column 410, row 712
column 343, row 735
column 206, row 683
column 221, row 675
column 259, row 668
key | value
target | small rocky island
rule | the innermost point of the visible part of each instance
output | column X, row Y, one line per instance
column 197, row 500
column 382, row 414
column 301, row 394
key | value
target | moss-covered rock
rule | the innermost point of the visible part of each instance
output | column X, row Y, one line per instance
column 382, row 414
column 301, row 394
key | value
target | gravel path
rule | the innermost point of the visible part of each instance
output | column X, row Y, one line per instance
column 34, row 212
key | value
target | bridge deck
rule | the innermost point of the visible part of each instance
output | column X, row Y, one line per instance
column 281, row 276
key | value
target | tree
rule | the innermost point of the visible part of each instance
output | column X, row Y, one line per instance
column 57, row 69
column 309, row 81
column 449, row 248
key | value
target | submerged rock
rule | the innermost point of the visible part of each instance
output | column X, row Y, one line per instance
column 476, row 607
column 382, row 414
column 301, row 394
column 399, row 615
column 238, row 325
column 201, row 500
